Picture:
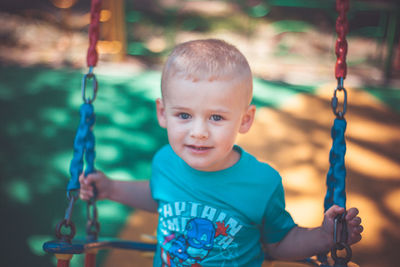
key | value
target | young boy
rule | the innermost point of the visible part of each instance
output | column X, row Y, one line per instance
column 217, row 204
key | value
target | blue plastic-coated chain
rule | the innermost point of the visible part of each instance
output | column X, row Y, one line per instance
column 83, row 146
column 336, row 177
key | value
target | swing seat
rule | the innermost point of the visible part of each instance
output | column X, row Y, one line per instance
column 286, row 264
column 298, row 264
column 82, row 246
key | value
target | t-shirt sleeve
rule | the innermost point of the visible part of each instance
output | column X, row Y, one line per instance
column 155, row 173
column 153, row 181
column 277, row 221
column 160, row 170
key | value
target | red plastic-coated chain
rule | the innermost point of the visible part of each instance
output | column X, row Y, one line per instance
column 342, row 27
column 63, row 260
column 63, row 263
column 90, row 259
column 94, row 30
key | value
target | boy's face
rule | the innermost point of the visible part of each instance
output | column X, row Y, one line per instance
column 202, row 120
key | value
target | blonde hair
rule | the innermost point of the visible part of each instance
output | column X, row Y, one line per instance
column 209, row 59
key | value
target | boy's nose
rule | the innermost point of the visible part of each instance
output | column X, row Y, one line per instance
column 199, row 130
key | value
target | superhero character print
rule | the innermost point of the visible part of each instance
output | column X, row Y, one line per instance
column 190, row 248
column 191, row 234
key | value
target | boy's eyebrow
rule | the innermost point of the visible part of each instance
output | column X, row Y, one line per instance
column 179, row 107
column 219, row 111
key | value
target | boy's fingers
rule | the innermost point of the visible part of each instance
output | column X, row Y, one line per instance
column 333, row 211
column 356, row 233
column 357, row 230
column 355, row 238
column 90, row 178
column 351, row 213
column 355, row 221
column 85, row 194
column 83, row 179
column 82, row 195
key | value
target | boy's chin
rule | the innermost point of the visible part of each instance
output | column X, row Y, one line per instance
column 200, row 166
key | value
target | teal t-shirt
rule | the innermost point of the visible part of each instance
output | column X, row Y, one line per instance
column 216, row 218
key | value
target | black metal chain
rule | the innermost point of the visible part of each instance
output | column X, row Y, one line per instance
column 67, row 222
column 93, row 225
column 341, row 242
column 335, row 102
column 87, row 77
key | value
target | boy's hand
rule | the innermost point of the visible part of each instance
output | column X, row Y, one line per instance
column 97, row 179
column 354, row 226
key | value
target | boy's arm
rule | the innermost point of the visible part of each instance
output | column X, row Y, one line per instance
column 301, row 243
column 136, row 194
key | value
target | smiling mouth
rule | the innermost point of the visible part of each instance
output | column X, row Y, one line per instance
column 198, row 148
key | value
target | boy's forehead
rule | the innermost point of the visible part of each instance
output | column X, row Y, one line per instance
column 227, row 86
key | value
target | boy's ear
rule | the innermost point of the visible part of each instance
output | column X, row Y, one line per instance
column 247, row 119
column 162, row 121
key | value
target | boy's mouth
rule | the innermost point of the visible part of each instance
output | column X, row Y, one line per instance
column 198, row 148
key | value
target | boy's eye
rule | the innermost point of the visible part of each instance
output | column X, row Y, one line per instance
column 184, row 116
column 216, row 117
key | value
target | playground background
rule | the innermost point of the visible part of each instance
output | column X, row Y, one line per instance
column 290, row 47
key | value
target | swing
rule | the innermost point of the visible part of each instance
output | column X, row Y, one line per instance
column 66, row 246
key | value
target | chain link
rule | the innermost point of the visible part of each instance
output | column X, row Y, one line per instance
column 72, row 197
column 92, row 226
column 340, row 242
column 335, row 102
column 87, row 77
column 67, row 222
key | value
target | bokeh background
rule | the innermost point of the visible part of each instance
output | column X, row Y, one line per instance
column 290, row 47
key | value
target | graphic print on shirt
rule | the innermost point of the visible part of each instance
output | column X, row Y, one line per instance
column 190, row 231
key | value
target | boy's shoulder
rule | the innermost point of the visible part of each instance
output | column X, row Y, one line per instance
column 258, row 171
column 256, row 165
column 164, row 152
column 165, row 156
